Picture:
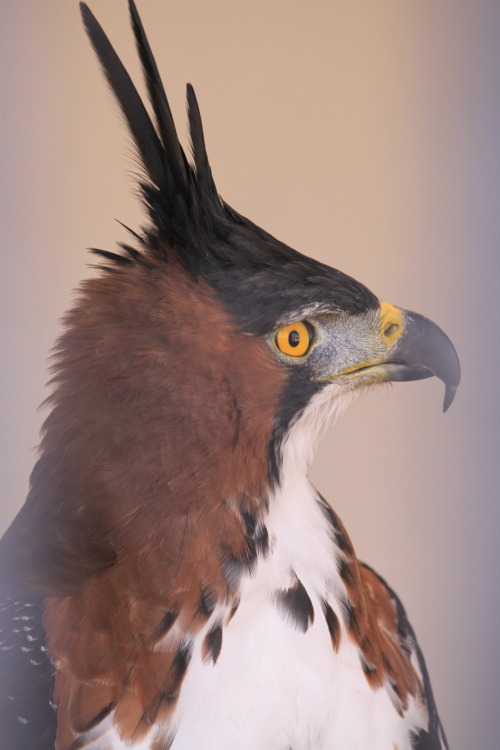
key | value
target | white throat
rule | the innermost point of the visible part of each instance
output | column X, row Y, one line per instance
column 299, row 445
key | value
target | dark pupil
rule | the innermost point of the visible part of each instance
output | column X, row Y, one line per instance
column 294, row 338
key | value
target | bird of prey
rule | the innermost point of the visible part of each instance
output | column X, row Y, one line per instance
column 173, row 579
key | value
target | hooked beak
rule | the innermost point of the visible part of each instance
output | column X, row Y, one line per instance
column 415, row 348
column 424, row 350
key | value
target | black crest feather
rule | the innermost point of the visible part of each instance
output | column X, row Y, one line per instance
column 203, row 171
column 172, row 150
column 139, row 122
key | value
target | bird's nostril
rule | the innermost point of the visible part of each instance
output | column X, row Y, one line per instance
column 391, row 330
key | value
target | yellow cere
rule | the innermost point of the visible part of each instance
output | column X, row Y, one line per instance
column 293, row 340
column 391, row 322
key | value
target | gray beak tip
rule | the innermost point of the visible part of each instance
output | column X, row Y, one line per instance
column 449, row 396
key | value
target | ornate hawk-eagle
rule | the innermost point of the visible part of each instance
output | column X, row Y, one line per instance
column 173, row 579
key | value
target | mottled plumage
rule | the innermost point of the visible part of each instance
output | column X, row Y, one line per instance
column 173, row 580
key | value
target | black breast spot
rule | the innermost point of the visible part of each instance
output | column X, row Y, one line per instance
column 294, row 603
column 333, row 624
column 212, row 643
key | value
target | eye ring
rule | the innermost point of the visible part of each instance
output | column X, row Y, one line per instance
column 295, row 339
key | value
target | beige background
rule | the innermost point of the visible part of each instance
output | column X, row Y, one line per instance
column 363, row 133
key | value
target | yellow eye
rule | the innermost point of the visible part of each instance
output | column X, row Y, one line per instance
column 294, row 339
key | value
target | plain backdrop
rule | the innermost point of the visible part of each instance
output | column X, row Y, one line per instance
column 366, row 134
